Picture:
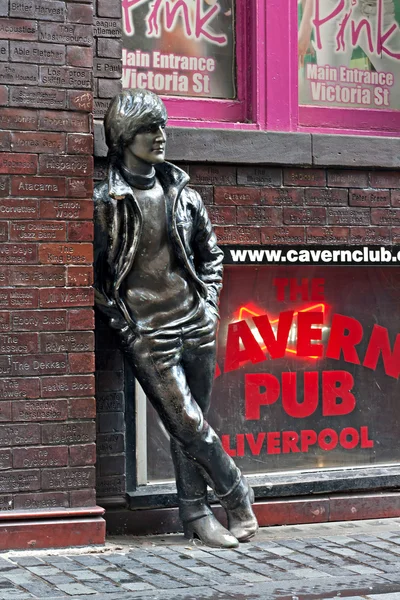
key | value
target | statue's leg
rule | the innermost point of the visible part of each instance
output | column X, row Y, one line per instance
column 159, row 360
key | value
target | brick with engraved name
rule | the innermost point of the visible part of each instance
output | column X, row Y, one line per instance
column 110, row 443
column 5, row 321
column 66, row 209
column 18, row 163
column 41, row 500
column 21, row 119
column 19, row 481
column 67, row 342
column 19, row 74
column 259, row 215
column 67, row 386
column 19, row 388
column 18, row 29
column 110, row 28
column 5, row 275
column 327, row 235
column 38, row 142
column 37, row 275
column 78, row 78
column 18, row 209
column 327, row 197
column 222, row 215
column 282, row 196
column 38, row 97
column 68, row 478
column 100, row 107
column 69, row 433
column 79, row 276
column 215, row 175
column 39, row 320
column 15, row 254
column 304, row 177
column 63, row 121
column 37, row 458
column 237, row 196
column 369, row 198
column 57, row 297
column 13, row 343
column 282, row 235
column 304, row 216
column 110, row 486
column 370, row 235
column 107, row 67
column 19, row 435
column 65, row 165
column 78, row 143
column 70, row 253
column 348, row 216
column 110, row 401
column 347, row 178
column 37, row 186
column 19, row 298
column 385, row 216
column 40, row 410
column 82, row 408
column 80, row 187
column 30, row 52
column 237, row 235
column 265, row 176
column 38, row 364
column 65, row 33
column 49, row 10
column 384, row 179
column 38, row 230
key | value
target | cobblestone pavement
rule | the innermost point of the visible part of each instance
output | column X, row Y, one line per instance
column 353, row 560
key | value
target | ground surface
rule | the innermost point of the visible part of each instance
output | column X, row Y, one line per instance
column 353, row 560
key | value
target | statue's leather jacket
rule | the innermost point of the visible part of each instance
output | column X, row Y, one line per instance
column 118, row 225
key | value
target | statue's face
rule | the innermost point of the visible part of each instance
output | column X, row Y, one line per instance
column 149, row 144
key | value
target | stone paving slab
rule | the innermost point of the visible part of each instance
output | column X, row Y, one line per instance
column 354, row 560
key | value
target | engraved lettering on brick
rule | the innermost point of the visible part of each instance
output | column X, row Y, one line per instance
column 37, row 97
column 17, row 344
column 68, row 77
column 65, row 33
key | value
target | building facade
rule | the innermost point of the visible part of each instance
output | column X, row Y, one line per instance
column 287, row 121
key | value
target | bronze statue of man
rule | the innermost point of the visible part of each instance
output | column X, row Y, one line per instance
column 158, row 273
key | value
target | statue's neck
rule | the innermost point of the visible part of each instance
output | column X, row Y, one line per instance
column 139, row 180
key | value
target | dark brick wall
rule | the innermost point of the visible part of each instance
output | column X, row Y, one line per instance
column 47, row 406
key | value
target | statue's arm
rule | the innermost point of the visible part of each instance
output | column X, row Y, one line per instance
column 208, row 256
column 103, row 273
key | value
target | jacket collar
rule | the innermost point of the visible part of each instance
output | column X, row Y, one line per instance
column 170, row 177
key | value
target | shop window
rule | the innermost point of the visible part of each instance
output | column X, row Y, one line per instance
column 349, row 64
column 194, row 53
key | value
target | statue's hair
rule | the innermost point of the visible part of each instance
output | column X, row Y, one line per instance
column 128, row 112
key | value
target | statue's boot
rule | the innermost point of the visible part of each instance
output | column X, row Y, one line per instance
column 242, row 522
column 210, row 531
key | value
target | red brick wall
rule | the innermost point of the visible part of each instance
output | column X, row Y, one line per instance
column 278, row 205
column 47, row 406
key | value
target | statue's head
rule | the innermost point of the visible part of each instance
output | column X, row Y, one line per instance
column 135, row 122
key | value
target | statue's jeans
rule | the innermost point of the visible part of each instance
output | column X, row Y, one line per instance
column 175, row 367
